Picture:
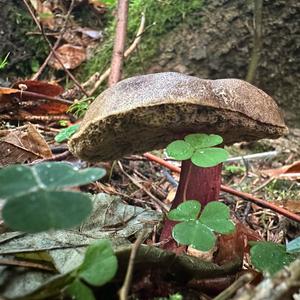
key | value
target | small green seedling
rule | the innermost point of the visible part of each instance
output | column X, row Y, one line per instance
column 99, row 267
column 66, row 133
column 79, row 108
column 36, row 199
column 197, row 230
column 199, row 147
column 270, row 257
column 4, row 61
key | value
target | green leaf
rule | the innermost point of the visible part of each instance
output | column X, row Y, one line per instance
column 79, row 291
column 8, row 185
column 66, row 133
column 216, row 216
column 58, row 174
column 48, row 175
column 270, row 257
column 202, row 140
column 99, row 265
column 180, row 150
column 293, row 246
column 45, row 210
column 194, row 234
column 186, row 211
column 209, row 157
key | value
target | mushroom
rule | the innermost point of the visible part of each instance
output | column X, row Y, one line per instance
column 148, row 112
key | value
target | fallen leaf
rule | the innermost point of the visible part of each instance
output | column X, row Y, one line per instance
column 291, row 172
column 23, row 145
column 71, row 57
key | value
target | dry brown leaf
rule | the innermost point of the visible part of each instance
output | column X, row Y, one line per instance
column 23, row 145
column 71, row 57
column 291, row 172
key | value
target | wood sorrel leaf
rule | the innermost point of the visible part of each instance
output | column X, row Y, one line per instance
column 216, row 216
column 270, row 257
column 79, row 291
column 209, row 157
column 202, row 140
column 186, row 211
column 180, row 150
column 44, row 210
column 194, row 234
column 99, row 265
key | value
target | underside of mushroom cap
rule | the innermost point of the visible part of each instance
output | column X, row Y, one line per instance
column 147, row 112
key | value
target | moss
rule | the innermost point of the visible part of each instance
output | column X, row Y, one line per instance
column 161, row 17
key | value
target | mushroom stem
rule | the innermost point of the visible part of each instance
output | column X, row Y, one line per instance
column 195, row 183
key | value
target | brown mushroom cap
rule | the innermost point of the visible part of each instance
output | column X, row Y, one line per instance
column 147, row 112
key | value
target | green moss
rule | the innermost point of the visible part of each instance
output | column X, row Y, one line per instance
column 161, row 17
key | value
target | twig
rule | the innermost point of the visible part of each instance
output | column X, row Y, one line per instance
column 51, row 48
column 257, row 43
column 159, row 204
column 25, row 264
column 267, row 154
column 63, row 30
column 119, row 44
column 231, row 290
column 231, row 191
column 129, row 50
column 123, row 292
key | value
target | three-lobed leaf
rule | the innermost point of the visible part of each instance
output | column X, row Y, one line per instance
column 35, row 203
column 197, row 231
column 99, row 265
column 199, row 148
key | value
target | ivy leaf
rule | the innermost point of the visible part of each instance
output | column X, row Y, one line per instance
column 44, row 210
column 194, row 234
column 270, row 257
column 66, row 133
column 99, row 265
column 186, row 211
column 180, row 150
column 202, row 140
column 79, row 291
column 293, row 246
column 216, row 216
column 209, row 157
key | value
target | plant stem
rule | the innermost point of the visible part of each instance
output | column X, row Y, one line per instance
column 201, row 184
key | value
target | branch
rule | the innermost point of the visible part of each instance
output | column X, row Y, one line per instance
column 119, row 45
column 257, row 43
column 51, row 48
column 129, row 50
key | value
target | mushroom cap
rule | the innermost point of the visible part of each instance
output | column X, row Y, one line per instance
column 148, row 112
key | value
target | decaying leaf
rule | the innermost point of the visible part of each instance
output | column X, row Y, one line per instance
column 71, row 57
column 288, row 172
column 22, row 145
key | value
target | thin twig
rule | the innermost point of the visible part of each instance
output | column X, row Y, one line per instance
column 51, row 48
column 25, row 264
column 123, row 292
column 119, row 44
column 158, row 203
column 257, row 43
column 63, row 30
column 231, row 191
column 129, row 50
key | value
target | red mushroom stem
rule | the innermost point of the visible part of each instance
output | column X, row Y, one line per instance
column 195, row 183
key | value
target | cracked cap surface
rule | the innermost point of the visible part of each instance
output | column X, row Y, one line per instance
column 148, row 112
